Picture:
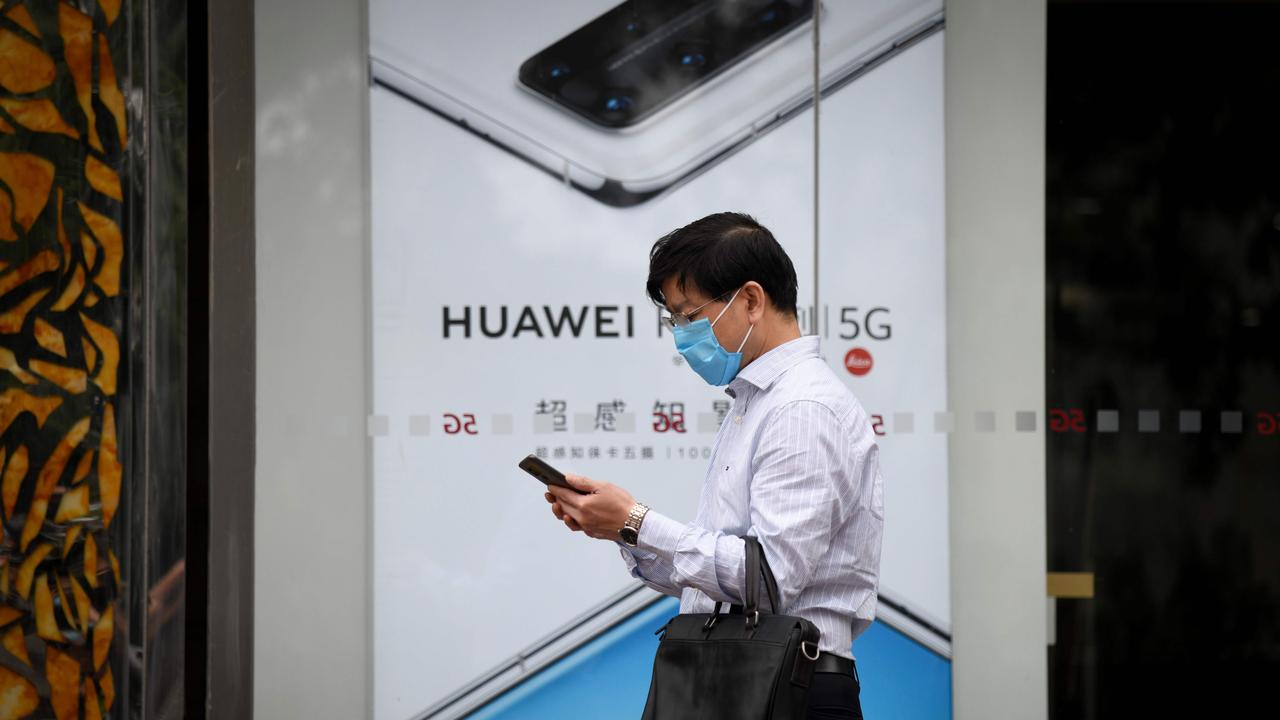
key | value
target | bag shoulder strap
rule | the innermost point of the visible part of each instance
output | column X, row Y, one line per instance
column 750, row 589
column 757, row 566
column 770, row 584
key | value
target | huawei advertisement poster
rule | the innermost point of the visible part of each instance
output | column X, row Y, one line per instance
column 525, row 158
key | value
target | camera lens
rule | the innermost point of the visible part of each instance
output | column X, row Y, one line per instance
column 776, row 13
column 555, row 72
column 693, row 57
column 616, row 104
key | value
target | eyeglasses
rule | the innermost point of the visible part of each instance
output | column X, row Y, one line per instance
column 675, row 320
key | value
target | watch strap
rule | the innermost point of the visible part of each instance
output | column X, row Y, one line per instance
column 636, row 518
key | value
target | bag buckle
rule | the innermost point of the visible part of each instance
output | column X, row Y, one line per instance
column 814, row 657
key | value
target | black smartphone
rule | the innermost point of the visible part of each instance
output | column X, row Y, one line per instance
column 642, row 55
column 538, row 468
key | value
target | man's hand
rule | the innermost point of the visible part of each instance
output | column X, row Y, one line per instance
column 600, row 515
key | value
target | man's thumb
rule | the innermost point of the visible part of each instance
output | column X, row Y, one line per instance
column 578, row 482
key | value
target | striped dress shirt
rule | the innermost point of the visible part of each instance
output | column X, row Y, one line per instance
column 795, row 463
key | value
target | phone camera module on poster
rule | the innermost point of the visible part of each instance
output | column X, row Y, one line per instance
column 657, row 51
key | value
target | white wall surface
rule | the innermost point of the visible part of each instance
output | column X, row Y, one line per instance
column 312, row 622
column 996, row 336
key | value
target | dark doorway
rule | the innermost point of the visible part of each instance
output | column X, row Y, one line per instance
column 1163, row 262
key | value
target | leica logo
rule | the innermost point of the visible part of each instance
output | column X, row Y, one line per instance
column 858, row 361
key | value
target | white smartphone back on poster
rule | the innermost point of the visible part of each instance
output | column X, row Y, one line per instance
column 467, row 70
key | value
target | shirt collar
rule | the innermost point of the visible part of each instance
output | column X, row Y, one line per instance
column 765, row 370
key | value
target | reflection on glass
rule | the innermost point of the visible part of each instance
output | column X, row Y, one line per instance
column 1164, row 296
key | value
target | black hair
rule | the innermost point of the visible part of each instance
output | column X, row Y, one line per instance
column 719, row 254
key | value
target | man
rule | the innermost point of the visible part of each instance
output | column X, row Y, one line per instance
column 795, row 462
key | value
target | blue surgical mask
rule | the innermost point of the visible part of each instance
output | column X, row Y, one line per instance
column 700, row 348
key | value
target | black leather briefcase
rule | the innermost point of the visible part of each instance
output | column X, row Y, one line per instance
column 744, row 665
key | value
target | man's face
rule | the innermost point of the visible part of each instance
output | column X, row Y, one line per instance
column 732, row 326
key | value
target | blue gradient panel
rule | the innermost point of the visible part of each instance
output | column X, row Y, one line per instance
column 608, row 677
column 900, row 677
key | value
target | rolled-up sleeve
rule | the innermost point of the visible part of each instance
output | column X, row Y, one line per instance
column 648, row 568
column 791, row 510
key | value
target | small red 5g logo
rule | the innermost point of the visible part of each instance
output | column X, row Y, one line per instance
column 877, row 425
column 1268, row 423
column 454, row 425
column 1067, row 420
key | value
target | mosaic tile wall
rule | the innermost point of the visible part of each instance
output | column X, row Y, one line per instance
column 63, row 135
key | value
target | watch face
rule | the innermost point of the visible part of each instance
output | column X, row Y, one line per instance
column 629, row 535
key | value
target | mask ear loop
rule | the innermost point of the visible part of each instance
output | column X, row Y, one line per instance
column 744, row 339
column 725, row 310
column 726, row 306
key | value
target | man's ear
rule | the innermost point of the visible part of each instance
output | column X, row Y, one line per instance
column 757, row 300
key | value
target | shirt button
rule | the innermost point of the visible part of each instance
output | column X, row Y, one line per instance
column 737, row 418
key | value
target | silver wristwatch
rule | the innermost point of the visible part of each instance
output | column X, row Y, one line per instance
column 630, row 532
